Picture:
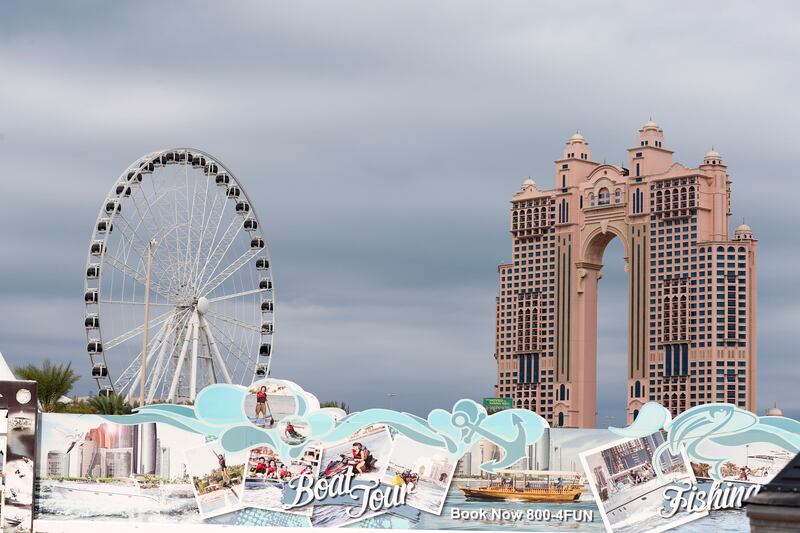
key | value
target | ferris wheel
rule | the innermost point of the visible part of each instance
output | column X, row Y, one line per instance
column 178, row 291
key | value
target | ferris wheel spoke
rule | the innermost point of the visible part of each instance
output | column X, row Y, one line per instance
column 129, row 376
column 230, row 270
column 235, row 321
column 206, row 225
column 142, row 219
column 191, row 197
column 160, row 262
column 134, row 274
column 218, row 251
column 116, row 341
column 237, row 295
column 233, row 346
column 130, row 302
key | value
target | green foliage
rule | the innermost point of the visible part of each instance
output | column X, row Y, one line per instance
column 110, row 405
column 77, row 407
column 53, row 382
column 333, row 403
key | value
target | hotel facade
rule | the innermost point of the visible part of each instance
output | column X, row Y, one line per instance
column 691, row 285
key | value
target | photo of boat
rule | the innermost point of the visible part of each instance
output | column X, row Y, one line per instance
column 529, row 485
column 122, row 489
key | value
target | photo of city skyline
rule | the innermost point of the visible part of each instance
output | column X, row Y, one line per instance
column 94, row 448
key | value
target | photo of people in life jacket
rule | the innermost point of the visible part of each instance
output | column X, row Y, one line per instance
column 267, row 475
column 268, row 402
column 429, row 468
column 366, row 453
column 293, row 430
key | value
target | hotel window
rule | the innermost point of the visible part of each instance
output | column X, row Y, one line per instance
column 604, row 197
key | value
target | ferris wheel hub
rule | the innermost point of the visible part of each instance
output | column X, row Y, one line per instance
column 202, row 305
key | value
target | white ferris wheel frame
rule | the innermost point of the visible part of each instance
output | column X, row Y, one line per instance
column 196, row 330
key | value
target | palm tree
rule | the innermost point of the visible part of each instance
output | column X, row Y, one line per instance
column 333, row 403
column 53, row 382
column 110, row 405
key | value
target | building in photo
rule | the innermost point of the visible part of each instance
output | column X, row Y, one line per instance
column 57, row 464
column 691, row 284
column 464, row 466
column 116, row 462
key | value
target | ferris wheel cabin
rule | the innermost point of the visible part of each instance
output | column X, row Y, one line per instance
column 99, row 370
column 92, row 321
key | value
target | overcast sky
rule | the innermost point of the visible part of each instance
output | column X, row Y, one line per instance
column 381, row 143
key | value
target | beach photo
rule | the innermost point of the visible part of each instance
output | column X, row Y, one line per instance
column 268, row 402
column 217, row 478
column 428, row 469
column 627, row 489
column 266, row 476
column 755, row 463
column 367, row 454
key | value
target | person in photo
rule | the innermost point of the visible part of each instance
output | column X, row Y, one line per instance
column 261, row 406
column 361, row 458
column 226, row 477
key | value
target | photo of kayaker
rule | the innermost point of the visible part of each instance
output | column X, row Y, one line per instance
column 268, row 402
column 267, row 475
column 428, row 468
column 217, row 477
column 293, row 431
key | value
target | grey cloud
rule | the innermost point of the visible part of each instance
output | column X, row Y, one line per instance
column 381, row 144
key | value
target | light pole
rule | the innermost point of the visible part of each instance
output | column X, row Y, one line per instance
column 143, row 373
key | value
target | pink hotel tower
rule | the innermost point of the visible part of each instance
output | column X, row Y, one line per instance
column 691, row 287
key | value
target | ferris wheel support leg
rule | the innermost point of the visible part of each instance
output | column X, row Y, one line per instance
column 194, row 362
column 212, row 344
column 160, row 360
column 212, row 374
column 173, row 389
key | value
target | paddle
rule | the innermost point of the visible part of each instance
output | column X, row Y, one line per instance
column 271, row 418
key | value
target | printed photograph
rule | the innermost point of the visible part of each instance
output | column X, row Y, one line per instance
column 628, row 492
column 755, row 463
column 19, row 455
column 367, row 453
column 428, row 468
column 217, row 478
column 293, row 431
column 266, row 476
column 138, row 472
column 268, row 402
